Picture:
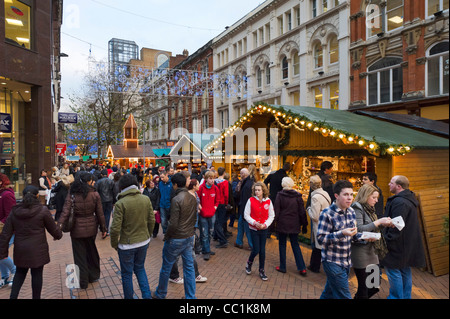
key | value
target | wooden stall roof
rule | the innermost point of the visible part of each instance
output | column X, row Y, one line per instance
column 384, row 138
column 411, row 121
column 198, row 141
column 120, row 151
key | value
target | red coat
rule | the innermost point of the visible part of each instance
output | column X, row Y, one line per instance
column 7, row 201
column 223, row 190
column 209, row 197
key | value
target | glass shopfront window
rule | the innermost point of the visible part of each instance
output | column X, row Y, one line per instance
column 13, row 98
column 18, row 22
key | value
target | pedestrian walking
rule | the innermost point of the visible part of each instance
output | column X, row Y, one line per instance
column 105, row 188
column 7, row 202
column 88, row 216
column 44, row 187
column 259, row 214
column 209, row 200
column 405, row 247
column 337, row 229
column 367, row 252
column 179, row 239
column 165, row 189
column 153, row 193
column 28, row 222
column 290, row 219
column 131, row 231
column 221, row 211
column 244, row 194
column 61, row 190
column 319, row 201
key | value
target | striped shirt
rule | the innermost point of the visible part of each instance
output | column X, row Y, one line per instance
column 336, row 247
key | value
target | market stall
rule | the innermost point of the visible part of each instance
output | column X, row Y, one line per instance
column 355, row 144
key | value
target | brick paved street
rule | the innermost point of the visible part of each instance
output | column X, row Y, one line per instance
column 225, row 272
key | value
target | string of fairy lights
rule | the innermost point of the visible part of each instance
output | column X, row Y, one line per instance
column 287, row 120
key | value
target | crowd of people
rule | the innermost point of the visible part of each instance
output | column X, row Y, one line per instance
column 131, row 206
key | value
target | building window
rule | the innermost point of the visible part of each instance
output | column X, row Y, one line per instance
column 318, row 55
column 289, row 21
column 334, row 50
column 285, row 68
column 267, row 71
column 334, row 95
column 318, row 97
column 325, row 5
column 280, row 25
column 224, row 121
column 205, row 123
column 259, row 78
column 296, row 64
column 383, row 18
column 438, row 69
column 18, row 22
column 314, row 8
column 436, row 6
column 385, row 81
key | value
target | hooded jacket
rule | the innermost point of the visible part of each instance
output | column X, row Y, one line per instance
column 7, row 201
column 290, row 214
column 133, row 220
column 405, row 246
column 30, row 242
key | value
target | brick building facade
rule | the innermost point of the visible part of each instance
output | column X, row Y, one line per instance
column 399, row 57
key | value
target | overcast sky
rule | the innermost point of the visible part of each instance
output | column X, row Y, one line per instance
column 170, row 25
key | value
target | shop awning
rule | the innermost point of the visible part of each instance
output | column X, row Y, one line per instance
column 378, row 137
column 198, row 142
column 162, row 152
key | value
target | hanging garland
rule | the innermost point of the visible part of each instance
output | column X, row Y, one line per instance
column 287, row 119
column 283, row 137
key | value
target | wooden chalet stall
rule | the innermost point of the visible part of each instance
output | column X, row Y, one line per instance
column 355, row 144
column 130, row 152
column 188, row 153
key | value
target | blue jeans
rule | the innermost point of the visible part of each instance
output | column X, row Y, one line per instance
column 337, row 282
column 107, row 209
column 7, row 266
column 400, row 281
column 165, row 214
column 132, row 260
column 282, row 239
column 206, row 229
column 259, row 238
column 171, row 250
column 243, row 228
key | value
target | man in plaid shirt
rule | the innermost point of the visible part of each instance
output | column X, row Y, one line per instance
column 337, row 229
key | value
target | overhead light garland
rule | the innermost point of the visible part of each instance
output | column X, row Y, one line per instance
column 287, row 119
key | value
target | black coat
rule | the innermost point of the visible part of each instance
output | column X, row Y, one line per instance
column 405, row 246
column 290, row 213
column 154, row 196
column 245, row 193
column 274, row 180
column 60, row 191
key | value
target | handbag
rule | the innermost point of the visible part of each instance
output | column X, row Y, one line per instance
column 158, row 217
column 68, row 225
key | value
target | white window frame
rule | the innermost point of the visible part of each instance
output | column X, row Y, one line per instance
column 441, row 8
column 384, row 20
column 378, row 71
column 439, row 56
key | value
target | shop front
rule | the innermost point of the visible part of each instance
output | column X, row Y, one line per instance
column 14, row 97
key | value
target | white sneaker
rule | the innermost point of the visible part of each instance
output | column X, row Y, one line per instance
column 200, row 278
column 178, row 280
column 2, row 283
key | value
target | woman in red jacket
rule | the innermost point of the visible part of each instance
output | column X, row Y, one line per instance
column 259, row 214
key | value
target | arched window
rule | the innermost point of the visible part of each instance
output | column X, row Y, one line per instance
column 284, row 68
column 438, row 69
column 333, row 54
column 385, row 81
column 318, row 55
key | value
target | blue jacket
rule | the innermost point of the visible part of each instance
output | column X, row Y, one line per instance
column 166, row 190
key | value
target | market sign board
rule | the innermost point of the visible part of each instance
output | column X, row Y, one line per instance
column 61, row 149
column 67, row 118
